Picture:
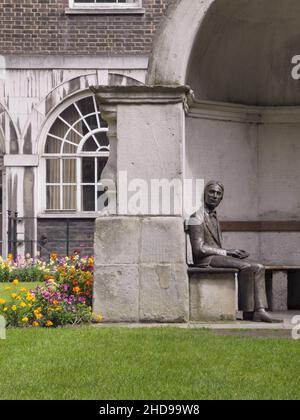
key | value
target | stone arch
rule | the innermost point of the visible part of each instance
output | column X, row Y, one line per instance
column 174, row 41
column 237, row 51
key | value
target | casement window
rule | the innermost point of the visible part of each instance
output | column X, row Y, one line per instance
column 76, row 152
column 106, row 5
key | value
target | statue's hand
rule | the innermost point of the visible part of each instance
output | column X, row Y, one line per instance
column 238, row 253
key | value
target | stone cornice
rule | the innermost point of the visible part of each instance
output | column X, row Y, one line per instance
column 242, row 113
column 114, row 95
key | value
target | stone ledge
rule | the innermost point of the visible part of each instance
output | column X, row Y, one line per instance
column 106, row 11
column 210, row 270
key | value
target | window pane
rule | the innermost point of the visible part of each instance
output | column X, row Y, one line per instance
column 102, row 199
column 69, row 197
column 88, row 198
column 92, row 122
column 53, row 145
column 102, row 139
column 53, row 171
column 86, row 105
column 69, row 171
column 70, row 115
column 69, row 149
column 53, row 198
column 101, row 165
column 90, row 145
column 88, row 170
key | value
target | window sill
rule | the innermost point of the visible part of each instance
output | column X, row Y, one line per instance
column 53, row 215
column 106, row 11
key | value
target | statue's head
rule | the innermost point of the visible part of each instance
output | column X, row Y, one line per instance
column 213, row 194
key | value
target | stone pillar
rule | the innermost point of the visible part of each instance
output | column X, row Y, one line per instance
column 140, row 257
column 277, row 290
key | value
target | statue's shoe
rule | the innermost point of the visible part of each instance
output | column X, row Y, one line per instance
column 248, row 316
column 263, row 316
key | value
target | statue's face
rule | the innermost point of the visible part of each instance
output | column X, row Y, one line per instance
column 213, row 196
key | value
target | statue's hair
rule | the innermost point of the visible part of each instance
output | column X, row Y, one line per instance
column 214, row 183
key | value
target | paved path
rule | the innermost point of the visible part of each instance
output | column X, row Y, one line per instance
column 237, row 328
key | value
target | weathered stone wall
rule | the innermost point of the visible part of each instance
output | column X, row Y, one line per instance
column 141, row 272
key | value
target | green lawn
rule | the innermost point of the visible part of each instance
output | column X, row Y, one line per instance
column 121, row 363
column 5, row 294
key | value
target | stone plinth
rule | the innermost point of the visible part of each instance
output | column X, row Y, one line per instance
column 140, row 269
column 212, row 294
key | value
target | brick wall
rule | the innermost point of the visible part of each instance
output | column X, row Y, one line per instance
column 42, row 27
column 81, row 236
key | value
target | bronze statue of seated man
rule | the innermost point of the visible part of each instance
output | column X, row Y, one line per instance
column 206, row 240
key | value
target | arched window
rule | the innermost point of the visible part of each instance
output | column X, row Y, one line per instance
column 76, row 152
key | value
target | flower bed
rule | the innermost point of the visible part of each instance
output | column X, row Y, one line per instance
column 65, row 298
column 24, row 269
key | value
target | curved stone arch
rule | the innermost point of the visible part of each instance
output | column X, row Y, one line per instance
column 174, row 42
column 9, row 134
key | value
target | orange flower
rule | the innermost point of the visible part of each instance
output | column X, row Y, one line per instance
column 55, row 302
column 76, row 290
column 53, row 256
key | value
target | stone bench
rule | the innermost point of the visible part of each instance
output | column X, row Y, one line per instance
column 213, row 294
column 283, row 287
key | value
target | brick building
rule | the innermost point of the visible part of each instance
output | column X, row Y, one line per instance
column 52, row 52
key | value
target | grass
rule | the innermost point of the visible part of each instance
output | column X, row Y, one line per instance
column 6, row 294
column 162, row 363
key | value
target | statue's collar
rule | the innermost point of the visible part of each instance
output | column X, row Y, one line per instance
column 210, row 212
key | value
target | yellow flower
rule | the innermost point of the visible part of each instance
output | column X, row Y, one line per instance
column 14, row 295
column 5, row 309
column 25, row 319
column 23, row 290
column 35, row 324
column 30, row 297
column 15, row 282
column 38, row 316
column 99, row 318
column 7, row 288
column 18, row 298
column 23, row 305
column 49, row 324
column 29, row 305
column 14, row 308
column 2, row 301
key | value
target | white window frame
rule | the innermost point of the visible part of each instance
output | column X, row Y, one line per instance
column 78, row 157
column 135, row 4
